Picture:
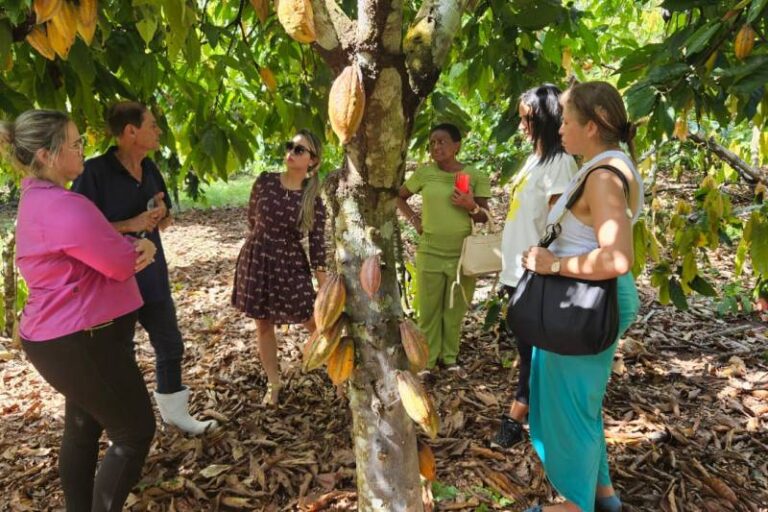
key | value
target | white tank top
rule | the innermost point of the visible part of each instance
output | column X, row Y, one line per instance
column 576, row 237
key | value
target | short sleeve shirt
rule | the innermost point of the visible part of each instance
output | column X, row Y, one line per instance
column 444, row 225
column 120, row 197
column 529, row 195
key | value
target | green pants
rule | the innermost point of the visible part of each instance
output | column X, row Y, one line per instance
column 441, row 323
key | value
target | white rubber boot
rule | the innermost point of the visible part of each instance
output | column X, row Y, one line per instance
column 174, row 409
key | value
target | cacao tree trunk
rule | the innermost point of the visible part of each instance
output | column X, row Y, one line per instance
column 398, row 73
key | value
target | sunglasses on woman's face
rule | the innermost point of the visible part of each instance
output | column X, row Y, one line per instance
column 297, row 149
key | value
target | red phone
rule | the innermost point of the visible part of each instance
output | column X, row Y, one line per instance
column 462, row 182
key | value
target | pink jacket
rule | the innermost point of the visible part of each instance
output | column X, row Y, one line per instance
column 78, row 269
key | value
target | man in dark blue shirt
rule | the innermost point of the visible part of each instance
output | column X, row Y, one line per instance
column 129, row 189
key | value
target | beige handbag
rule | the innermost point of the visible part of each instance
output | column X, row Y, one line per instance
column 480, row 254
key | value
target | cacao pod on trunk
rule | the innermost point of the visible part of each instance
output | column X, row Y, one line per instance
column 346, row 103
column 427, row 465
column 330, row 302
column 342, row 361
column 298, row 19
column 321, row 349
column 370, row 275
column 417, row 403
column 745, row 41
column 269, row 78
column 415, row 345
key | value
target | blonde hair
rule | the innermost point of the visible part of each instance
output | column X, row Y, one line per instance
column 601, row 103
column 33, row 130
column 311, row 186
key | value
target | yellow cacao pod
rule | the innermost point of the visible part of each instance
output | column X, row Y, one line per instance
column 38, row 40
column 681, row 128
column 46, row 9
column 62, row 29
column 415, row 345
column 298, row 19
column 710, row 64
column 427, row 465
column 342, row 361
column 370, row 275
column 417, row 403
column 745, row 41
column 318, row 352
column 262, row 9
column 330, row 301
column 346, row 103
column 87, row 16
column 567, row 61
column 269, row 78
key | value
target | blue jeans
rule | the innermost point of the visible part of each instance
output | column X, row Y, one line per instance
column 159, row 320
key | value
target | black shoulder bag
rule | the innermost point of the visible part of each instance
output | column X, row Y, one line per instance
column 564, row 315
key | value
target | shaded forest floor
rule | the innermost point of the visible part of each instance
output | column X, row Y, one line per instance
column 686, row 411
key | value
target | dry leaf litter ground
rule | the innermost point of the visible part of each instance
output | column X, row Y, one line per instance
column 686, row 411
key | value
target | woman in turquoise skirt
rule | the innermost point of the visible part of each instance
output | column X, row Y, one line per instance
column 595, row 243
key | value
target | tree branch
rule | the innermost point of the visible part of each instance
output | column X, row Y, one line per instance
column 335, row 33
column 428, row 42
column 749, row 173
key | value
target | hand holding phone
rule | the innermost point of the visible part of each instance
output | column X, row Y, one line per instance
column 462, row 182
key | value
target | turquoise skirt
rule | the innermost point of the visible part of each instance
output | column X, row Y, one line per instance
column 566, row 416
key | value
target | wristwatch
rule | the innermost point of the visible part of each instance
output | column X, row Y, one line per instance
column 555, row 268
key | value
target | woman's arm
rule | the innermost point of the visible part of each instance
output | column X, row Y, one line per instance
column 604, row 196
column 402, row 204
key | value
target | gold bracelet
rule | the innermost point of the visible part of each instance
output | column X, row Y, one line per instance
column 475, row 210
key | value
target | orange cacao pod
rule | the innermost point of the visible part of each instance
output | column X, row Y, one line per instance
column 346, row 103
column 342, row 361
column 298, row 19
column 330, row 301
column 262, row 9
column 320, row 346
column 87, row 17
column 38, row 39
column 417, row 403
column 269, row 78
column 745, row 41
column 427, row 465
column 370, row 275
column 415, row 345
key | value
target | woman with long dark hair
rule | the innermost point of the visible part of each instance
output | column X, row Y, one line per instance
column 273, row 283
column 534, row 189
column 595, row 243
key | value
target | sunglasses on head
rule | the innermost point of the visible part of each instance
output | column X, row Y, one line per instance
column 297, row 149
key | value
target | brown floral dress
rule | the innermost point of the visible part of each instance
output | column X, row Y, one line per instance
column 272, row 278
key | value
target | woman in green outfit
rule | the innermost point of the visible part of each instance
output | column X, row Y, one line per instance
column 445, row 220
column 595, row 243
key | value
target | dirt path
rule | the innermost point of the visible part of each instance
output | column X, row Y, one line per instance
column 686, row 412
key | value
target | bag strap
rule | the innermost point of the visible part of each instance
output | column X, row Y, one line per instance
column 554, row 229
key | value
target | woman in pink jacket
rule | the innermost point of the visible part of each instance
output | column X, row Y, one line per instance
column 77, row 326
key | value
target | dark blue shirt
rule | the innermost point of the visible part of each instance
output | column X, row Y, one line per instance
column 107, row 183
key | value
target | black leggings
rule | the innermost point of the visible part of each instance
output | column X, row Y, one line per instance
column 97, row 373
column 526, row 351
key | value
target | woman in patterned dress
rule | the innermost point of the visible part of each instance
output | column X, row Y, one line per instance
column 273, row 281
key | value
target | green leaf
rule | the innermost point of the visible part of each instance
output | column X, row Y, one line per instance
column 640, row 98
column 698, row 41
column 676, row 295
column 492, row 315
column 530, row 14
column 759, row 249
column 702, row 286
column 755, row 9
column 748, row 83
column 147, row 26
column 685, row 5
column 214, row 144
column 639, row 242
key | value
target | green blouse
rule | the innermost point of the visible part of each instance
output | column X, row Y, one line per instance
column 444, row 225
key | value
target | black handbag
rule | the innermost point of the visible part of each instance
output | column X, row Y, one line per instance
column 564, row 315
